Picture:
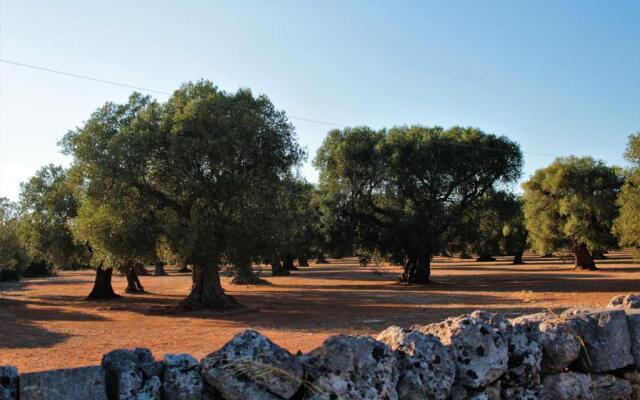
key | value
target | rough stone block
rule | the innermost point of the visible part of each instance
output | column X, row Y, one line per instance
column 606, row 339
column 68, row 384
column 251, row 366
column 8, row 383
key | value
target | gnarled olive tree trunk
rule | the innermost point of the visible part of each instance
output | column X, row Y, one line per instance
column 159, row 269
column 517, row 257
column 417, row 269
column 102, row 289
column 181, row 263
column 133, row 282
column 287, row 263
column 303, row 262
column 583, row 258
column 276, row 267
column 206, row 290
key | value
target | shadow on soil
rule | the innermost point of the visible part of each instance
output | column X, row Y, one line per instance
column 21, row 318
column 368, row 303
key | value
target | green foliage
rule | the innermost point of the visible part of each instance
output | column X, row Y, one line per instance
column 201, row 163
column 13, row 257
column 47, row 206
column 294, row 219
column 405, row 188
column 627, row 225
column 571, row 202
column 514, row 231
column 494, row 225
column 119, row 233
column 333, row 231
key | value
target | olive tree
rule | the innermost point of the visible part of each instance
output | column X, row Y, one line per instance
column 13, row 256
column 406, row 187
column 494, row 225
column 627, row 225
column 197, row 159
column 47, row 205
column 572, row 203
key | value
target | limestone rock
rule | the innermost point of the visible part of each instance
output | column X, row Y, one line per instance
column 68, row 384
column 251, row 366
column 633, row 321
column 132, row 375
column 559, row 342
column 525, row 358
column 8, row 383
column 533, row 392
column 525, row 354
column 351, row 368
column 628, row 301
column 181, row 378
column 567, row 386
column 479, row 351
column 426, row 368
column 606, row 338
column 458, row 392
column 491, row 392
column 609, row 387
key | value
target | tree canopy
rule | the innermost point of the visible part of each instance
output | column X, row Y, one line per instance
column 47, row 205
column 572, row 203
column 494, row 225
column 13, row 256
column 407, row 186
column 199, row 160
column 627, row 225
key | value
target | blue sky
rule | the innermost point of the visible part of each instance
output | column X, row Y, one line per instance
column 559, row 77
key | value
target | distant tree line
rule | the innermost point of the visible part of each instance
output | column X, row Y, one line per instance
column 210, row 179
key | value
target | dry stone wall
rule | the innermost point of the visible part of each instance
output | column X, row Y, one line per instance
column 578, row 355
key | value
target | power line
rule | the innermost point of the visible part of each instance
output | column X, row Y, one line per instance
column 315, row 121
column 89, row 78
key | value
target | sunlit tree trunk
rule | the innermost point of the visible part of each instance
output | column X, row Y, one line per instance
column 102, row 289
column 206, row 290
column 133, row 282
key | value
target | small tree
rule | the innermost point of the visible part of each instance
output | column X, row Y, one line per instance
column 571, row 203
column 407, row 187
column 13, row 256
column 627, row 225
column 47, row 205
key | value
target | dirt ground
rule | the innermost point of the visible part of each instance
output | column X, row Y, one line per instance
column 45, row 323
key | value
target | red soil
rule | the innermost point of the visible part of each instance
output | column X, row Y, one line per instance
column 45, row 323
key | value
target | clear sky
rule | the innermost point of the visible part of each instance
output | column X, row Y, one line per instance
column 559, row 77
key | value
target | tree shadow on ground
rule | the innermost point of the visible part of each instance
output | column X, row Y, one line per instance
column 20, row 323
column 320, row 299
column 323, row 308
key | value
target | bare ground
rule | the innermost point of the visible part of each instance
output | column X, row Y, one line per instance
column 45, row 323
